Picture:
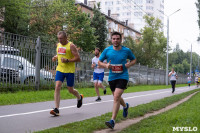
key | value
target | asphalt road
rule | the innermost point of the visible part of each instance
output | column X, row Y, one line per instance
column 26, row 118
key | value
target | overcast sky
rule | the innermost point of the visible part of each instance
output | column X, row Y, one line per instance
column 183, row 26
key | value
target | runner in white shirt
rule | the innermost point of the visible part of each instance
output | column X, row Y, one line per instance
column 173, row 78
column 98, row 74
column 189, row 79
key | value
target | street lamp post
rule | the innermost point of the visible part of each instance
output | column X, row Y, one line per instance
column 191, row 63
column 167, row 50
column 168, row 44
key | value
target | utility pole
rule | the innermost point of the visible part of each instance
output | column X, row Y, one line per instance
column 166, row 79
column 191, row 63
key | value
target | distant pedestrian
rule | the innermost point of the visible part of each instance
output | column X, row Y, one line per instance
column 117, row 63
column 189, row 79
column 67, row 55
column 197, row 81
column 98, row 74
column 173, row 76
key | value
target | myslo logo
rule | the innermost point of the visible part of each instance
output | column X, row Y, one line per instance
column 185, row 129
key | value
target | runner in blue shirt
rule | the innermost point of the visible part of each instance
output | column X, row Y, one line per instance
column 119, row 59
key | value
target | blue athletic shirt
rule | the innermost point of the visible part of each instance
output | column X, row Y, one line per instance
column 117, row 57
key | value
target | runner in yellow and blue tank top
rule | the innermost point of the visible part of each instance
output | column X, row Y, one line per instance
column 67, row 55
column 117, row 56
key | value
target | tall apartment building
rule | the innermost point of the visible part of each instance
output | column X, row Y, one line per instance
column 132, row 11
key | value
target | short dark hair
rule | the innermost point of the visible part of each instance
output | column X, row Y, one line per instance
column 116, row 33
column 97, row 49
column 62, row 33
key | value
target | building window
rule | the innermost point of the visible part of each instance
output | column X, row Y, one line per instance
column 138, row 1
column 128, row 13
column 138, row 14
column 118, row 2
column 149, row 8
column 118, row 8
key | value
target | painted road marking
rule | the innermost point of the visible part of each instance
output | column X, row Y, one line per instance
column 39, row 111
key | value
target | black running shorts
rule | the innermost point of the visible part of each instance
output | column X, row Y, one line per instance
column 118, row 83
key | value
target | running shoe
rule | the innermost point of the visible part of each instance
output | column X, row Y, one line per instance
column 55, row 112
column 125, row 110
column 98, row 99
column 110, row 124
column 104, row 92
column 79, row 103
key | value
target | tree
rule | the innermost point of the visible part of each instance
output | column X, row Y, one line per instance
column 198, row 11
column 78, row 27
column 99, row 23
column 49, row 17
column 153, row 43
column 181, row 60
column 16, row 16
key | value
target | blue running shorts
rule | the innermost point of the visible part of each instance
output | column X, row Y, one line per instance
column 69, row 77
column 98, row 77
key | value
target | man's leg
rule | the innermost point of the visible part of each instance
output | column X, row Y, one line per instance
column 70, row 85
column 100, row 81
column 55, row 111
column 74, row 92
column 79, row 96
column 96, row 88
column 57, row 93
column 100, row 85
column 117, row 101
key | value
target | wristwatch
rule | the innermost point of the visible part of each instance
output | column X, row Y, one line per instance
column 67, row 60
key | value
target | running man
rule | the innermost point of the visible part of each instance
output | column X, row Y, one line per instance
column 98, row 74
column 173, row 76
column 197, row 81
column 67, row 55
column 189, row 79
column 117, row 56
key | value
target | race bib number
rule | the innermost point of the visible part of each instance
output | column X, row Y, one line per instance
column 117, row 68
column 62, row 50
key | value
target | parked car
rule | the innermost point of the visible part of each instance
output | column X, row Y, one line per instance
column 18, row 69
column 9, row 50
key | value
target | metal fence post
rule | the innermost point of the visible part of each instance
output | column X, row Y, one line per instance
column 37, row 62
column 139, row 74
column 147, row 74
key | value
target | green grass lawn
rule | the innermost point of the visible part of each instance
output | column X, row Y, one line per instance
column 21, row 97
column 184, row 115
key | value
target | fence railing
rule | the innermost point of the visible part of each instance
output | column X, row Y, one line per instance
column 27, row 61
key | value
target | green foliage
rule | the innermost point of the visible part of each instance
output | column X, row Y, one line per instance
column 185, row 115
column 78, row 27
column 181, row 60
column 152, row 46
column 99, row 23
column 198, row 11
column 47, row 18
column 130, row 43
column 28, row 94
column 16, row 16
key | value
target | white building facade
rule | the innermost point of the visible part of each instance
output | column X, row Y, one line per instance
column 132, row 11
